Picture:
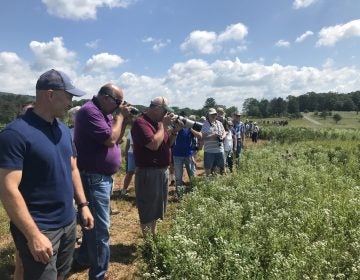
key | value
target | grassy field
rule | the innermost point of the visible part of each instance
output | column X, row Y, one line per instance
column 349, row 120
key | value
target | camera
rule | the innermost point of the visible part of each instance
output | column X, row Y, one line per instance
column 188, row 123
column 134, row 111
column 220, row 140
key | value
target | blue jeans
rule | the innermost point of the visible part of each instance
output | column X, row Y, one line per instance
column 238, row 151
column 95, row 247
column 179, row 162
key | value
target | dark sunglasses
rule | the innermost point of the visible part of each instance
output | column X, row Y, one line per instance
column 116, row 101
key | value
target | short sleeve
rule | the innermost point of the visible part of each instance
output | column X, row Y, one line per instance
column 12, row 150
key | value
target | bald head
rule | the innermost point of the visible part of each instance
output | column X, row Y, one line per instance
column 110, row 97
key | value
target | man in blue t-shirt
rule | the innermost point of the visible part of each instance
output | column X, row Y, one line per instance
column 39, row 179
column 183, row 152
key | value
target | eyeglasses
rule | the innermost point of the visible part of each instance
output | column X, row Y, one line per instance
column 116, row 101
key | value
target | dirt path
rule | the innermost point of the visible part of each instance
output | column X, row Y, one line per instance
column 310, row 119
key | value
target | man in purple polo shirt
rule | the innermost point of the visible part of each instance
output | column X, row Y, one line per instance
column 96, row 136
column 152, row 144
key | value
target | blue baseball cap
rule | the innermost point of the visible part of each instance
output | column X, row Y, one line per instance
column 57, row 80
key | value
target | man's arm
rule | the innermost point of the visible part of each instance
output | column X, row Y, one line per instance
column 197, row 134
column 15, row 206
column 157, row 139
column 87, row 220
column 118, row 125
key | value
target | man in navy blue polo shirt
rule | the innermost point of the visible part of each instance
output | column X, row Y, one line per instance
column 39, row 179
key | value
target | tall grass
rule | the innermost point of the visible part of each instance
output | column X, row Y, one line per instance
column 290, row 212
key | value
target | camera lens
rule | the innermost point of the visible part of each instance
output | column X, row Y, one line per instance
column 134, row 111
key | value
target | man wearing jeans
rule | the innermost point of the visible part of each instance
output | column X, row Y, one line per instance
column 239, row 131
column 39, row 179
column 96, row 136
column 183, row 151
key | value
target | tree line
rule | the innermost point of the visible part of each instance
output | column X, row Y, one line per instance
column 11, row 105
column 309, row 102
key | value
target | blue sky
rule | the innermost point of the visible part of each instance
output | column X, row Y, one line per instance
column 186, row 50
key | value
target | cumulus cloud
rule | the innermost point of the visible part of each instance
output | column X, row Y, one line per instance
column 282, row 44
column 203, row 42
column 53, row 54
column 16, row 75
column 299, row 4
column 157, row 44
column 209, row 42
column 329, row 36
column 303, row 36
column 236, row 32
column 186, row 84
column 81, row 9
column 103, row 62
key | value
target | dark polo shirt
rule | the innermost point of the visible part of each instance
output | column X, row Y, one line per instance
column 142, row 132
column 43, row 151
column 92, row 129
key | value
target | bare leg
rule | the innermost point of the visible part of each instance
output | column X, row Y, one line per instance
column 127, row 179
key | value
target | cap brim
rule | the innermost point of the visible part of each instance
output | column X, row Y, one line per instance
column 76, row 92
column 168, row 109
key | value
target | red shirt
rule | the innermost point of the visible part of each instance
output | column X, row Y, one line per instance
column 142, row 132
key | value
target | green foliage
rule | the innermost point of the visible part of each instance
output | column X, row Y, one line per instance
column 295, row 134
column 337, row 118
column 289, row 212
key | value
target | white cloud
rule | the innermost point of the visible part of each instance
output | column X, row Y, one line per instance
column 298, row 4
column 282, row 44
column 329, row 36
column 186, row 84
column 236, row 32
column 303, row 36
column 93, row 44
column 157, row 44
column 16, row 75
column 81, row 9
column 203, row 42
column 208, row 42
column 103, row 62
column 53, row 54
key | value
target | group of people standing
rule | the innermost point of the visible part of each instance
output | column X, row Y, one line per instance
column 45, row 167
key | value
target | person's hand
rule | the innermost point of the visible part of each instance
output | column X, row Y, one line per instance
column 178, row 125
column 41, row 248
column 124, row 109
column 168, row 119
column 87, row 220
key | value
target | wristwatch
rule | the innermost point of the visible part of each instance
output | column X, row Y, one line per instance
column 82, row 204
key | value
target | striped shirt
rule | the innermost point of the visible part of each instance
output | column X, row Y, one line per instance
column 212, row 145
